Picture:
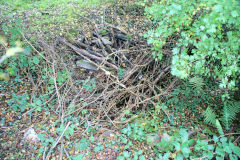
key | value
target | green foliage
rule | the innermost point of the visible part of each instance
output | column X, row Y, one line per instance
column 25, row 61
column 135, row 131
column 77, row 157
column 128, row 156
column 219, row 127
column 14, row 47
column 82, row 144
column 89, row 85
column 223, row 148
column 210, row 116
column 190, row 95
column 197, row 83
column 180, row 146
column 18, row 102
column 121, row 73
column 38, row 103
column 207, row 37
column 68, row 133
column 45, row 141
column 228, row 113
column 44, row 4
column 98, row 148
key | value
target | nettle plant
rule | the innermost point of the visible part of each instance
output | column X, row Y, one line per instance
column 207, row 37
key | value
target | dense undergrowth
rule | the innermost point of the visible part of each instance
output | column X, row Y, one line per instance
column 197, row 119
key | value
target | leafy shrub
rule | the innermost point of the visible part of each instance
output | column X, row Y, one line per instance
column 207, row 37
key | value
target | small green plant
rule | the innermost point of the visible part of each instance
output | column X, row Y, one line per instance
column 19, row 102
column 197, row 83
column 220, row 149
column 45, row 141
column 180, row 146
column 121, row 73
column 38, row 103
column 138, row 155
column 98, row 148
column 77, row 157
column 68, row 132
column 89, row 84
column 82, row 144
column 191, row 94
column 228, row 113
column 126, row 156
column 62, row 76
column 135, row 131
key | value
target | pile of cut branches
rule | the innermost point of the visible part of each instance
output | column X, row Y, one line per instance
column 127, row 76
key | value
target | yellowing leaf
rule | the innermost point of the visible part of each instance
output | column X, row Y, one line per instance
column 174, row 155
column 12, row 51
column 3, row 40
column 3, row 76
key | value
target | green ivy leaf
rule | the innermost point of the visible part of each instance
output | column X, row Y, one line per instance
column 38, row 102
column 166, row 156
column 177, row 146
column 223, row 139
column 142, row 157
column 235, row 149
column 184, row 135
column 215, row 138
column 233, row 157
column 78, row 157
column 234, row 14
column 36, row 60
column 186, row 151
column 179, row 157
column 220, row 151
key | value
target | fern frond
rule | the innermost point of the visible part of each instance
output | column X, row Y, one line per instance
column 219, row 127
column 210, row 116
column 197, row 83
column 226, row 118
column 229, row 113
column 235, row 108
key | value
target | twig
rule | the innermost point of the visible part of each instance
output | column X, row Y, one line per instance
column 128, row 120
column 87, row 123
column 161, row 74
column 161, row 94
column 61, row 114
column 67, row 154
column 89, row 20
column 59, row 138
column 44, row 153
column 236, row 139
column 35, row 48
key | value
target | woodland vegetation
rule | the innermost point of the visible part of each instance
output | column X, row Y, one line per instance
column 120, row 79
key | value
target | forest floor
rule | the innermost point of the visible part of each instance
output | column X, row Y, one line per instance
column 53, row 109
